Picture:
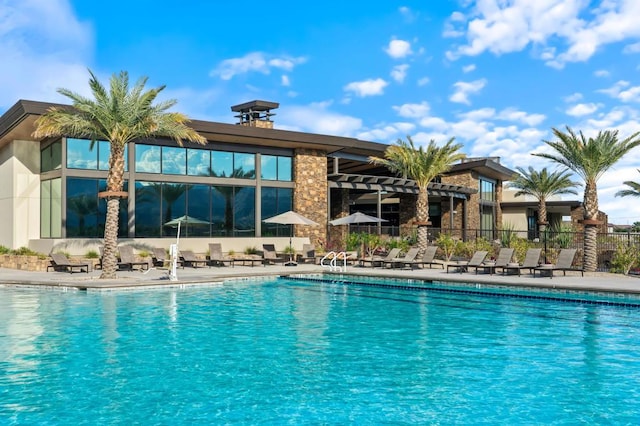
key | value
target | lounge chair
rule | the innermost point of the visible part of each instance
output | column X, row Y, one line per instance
column 308, row 253
column 269, row 255
column 159, row 257
column 379, row 260
column 428, row 258
column 189, row 258
column 61, row 263
column 531, row 261
column 504, row 257
column 401, row 262
column 476, row 260
column 128, row 260
column 564, row 264
column 216, row 258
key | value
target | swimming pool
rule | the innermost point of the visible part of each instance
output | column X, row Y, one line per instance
column 296, row 351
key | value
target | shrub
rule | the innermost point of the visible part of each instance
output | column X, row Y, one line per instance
column 625, row 258
column 520, row 247
column 250, row 250
column 5, row 250
column 24, row 251
column 447, row 244
column 92, row 254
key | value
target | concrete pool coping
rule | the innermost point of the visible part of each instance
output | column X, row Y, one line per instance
column 158, row 278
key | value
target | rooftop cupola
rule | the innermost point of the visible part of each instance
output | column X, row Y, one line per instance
column 255, row 113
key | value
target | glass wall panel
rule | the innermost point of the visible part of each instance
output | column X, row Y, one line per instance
column 244, row 214
column 45, row 159
column 174, row 205
column 269, row 167
column 45, row 208
column 222, row 211
column 104, row 153
column 198, row 197
column 56, row 155
column 222, row 163
column 486, row 222
column 198, row 162
column 244, row 165
column 82, row 208
column 148, row 219
column 80, row 155
column 174, row 160
column 285, row 168
column 147, row 158
column 487, row 190
column 56, row 208
column 274, row 201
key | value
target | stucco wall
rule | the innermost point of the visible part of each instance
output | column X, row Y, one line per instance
column 19, row 193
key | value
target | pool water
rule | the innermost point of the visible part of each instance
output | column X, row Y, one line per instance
column 287, row 351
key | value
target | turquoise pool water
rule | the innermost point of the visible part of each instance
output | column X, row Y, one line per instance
column 299, row 352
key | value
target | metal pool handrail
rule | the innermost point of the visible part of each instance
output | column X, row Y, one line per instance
column 333, row 261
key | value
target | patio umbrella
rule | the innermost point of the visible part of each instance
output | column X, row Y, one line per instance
column 173, row 249
column 356, row 217
column 290, row 218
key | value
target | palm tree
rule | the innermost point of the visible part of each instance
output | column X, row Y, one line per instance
column 121, row 115
column 589, row 158
column 632, row 191
column 423, row 165
column 542, row 185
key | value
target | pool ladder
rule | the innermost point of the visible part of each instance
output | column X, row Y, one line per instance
column 333, row 258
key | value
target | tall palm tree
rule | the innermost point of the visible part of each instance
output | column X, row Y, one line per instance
column 542, row 185
column 632, row 191
column 422, row 164
column 120, row 115
column 589, row 158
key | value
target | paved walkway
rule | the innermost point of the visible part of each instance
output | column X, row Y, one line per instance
column 198, row 276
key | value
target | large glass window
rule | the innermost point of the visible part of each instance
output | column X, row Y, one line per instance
column 274, row 201
column 174, row 160
column 86, row 213
column 274, row 167
column 148, row 220
column 487, row 190
column 80, row 154
column 198, row 162
column 487, row 222
column 174, row 204
column 51, row 208
column 51, row 157
column 244, row 165
column 233, row 211
column 147, row 159
column 222, row 164
column 104, row 153
column 198, row 198
column 285, row 168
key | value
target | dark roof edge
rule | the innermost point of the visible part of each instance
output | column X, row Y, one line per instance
column 20, row 110
column 506, row 172
column 556, row 203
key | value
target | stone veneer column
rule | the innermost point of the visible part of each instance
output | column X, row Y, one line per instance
column 473, row 211
column 407, row 213
column 310, row 196
column 339, row 208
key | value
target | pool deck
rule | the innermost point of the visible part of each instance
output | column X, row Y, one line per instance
column 159, row 278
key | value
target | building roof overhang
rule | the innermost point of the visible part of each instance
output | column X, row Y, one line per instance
column 486, row 167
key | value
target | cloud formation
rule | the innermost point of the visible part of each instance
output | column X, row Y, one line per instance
column 255, row 62
column 462, row 90
column 370, row 87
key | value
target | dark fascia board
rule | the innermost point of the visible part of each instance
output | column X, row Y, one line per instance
column 490, row 168
column 558, row 203
column 221, row 132
column 256, row 105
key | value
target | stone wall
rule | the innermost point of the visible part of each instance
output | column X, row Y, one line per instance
column 407, row 213
column 24, row 263
column 470, row 180
column 310, row 196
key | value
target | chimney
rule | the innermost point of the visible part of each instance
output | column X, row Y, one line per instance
column 255, row 114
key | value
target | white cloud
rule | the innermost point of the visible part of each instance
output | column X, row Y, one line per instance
column 468, row 68
column 478, row 114
column 254, row 62
column 399, row 72
column 574, row 97
column 370, row 87
column 601, row 73
column 423, row 81
column 398, row 49
column 451, row 26
column 580, row 110
column 317, row 118
column 284, row 80
column 412, row 110
column 514, row 115
column 631, row 48
column 464, row 89
column 622, row 91
column 505, row 26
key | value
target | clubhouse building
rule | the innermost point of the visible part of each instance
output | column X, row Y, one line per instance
column 248, row 171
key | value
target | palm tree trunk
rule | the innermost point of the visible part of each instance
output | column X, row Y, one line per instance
column 422, row 216
column 542, row 215
column 590, row 229
column 114, row 185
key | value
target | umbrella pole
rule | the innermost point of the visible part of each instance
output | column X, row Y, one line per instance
column 290, row 262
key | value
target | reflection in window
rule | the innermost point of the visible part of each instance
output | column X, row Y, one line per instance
column 174, row 161
column 198, row 208
column 221, row 163
column 174, row 204
column 104, row 153
column 147, row 158
column 147, row 215
column 233, row 211
column 487, row 221
column 244, row 165
column 198, row 161
column 86, row 213
column 269, row 167
column 80, row 154
column 285, row 168
column 487, row 190
column 274, row 201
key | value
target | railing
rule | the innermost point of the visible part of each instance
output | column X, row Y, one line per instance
column 333, row 258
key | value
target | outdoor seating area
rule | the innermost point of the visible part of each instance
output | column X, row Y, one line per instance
column 564, row 264
column 61, row 263
column 128, row 260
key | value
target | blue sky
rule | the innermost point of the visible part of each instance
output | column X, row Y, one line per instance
column 495, row 74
